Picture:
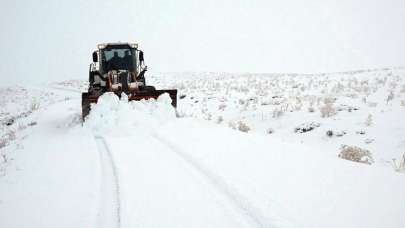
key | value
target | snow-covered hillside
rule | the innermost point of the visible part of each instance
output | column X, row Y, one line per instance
column 363, row 108
column 240, row 151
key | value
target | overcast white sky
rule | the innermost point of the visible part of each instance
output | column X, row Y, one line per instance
column 53, row 40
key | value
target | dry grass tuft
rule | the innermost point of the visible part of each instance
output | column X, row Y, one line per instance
column 356, row 154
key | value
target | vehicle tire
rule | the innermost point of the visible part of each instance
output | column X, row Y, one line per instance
column 86, row 107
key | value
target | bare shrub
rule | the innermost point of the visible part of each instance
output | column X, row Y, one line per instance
column 403, row 89
column 369, row 120
column 298, row 106
column 393, row 85
column 3, row 143
column 220, row 119
column 34, row 105
column 390, row 96
column 4, row 158
column 243, row 127
column 232, row 125
column 11, row 135
column 368, row 141
column 278, row 112
column 327, row 110
column 311, row 109
column 356, row 154
column 270, row 131
column 352, row 95
column 33, row 123
column 400, row 165
column 305, row 127
column 21, row 126
column 222, row 106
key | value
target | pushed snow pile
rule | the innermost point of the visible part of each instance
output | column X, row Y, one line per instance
column 111, row 113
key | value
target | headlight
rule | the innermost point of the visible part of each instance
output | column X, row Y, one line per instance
column 101, row 46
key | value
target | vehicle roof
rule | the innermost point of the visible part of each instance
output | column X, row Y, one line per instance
column 104, row 45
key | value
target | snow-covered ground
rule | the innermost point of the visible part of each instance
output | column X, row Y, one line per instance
column 240, row 151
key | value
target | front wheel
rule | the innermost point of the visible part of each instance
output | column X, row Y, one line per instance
column 85, row 109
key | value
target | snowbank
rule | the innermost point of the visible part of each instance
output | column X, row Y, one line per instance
column 112, row 114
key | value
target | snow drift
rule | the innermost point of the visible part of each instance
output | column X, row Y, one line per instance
column 120, row 115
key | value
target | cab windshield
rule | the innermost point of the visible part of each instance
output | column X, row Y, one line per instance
column 118, row 58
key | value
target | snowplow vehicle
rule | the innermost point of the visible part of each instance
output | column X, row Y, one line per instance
column 119, row 68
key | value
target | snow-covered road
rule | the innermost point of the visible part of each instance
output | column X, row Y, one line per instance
column 239, row 202
column 158, row 187
column 109, row 214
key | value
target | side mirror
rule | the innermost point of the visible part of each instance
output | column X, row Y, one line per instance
column 95, row 57
column 141, row 56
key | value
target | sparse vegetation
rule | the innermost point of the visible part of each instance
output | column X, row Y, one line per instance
column 270, row 131
column 306, row 127
column 243, row 127
column 34, row 104
column 250, row 102
column 368, row 141
column 220, row 119
column 278, row 112
column 390, row 96
column 369, row 120
column 331, row 133
column 356, row 154
column 399, row 165
column 327, row 110
column 3, row 143
column 352, row 105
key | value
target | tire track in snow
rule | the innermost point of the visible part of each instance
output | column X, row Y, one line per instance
column 110, row 202
column 244, row 206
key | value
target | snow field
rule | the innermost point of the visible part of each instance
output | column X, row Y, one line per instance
column 240, row 151
column 363, row 108
column 53, row 178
